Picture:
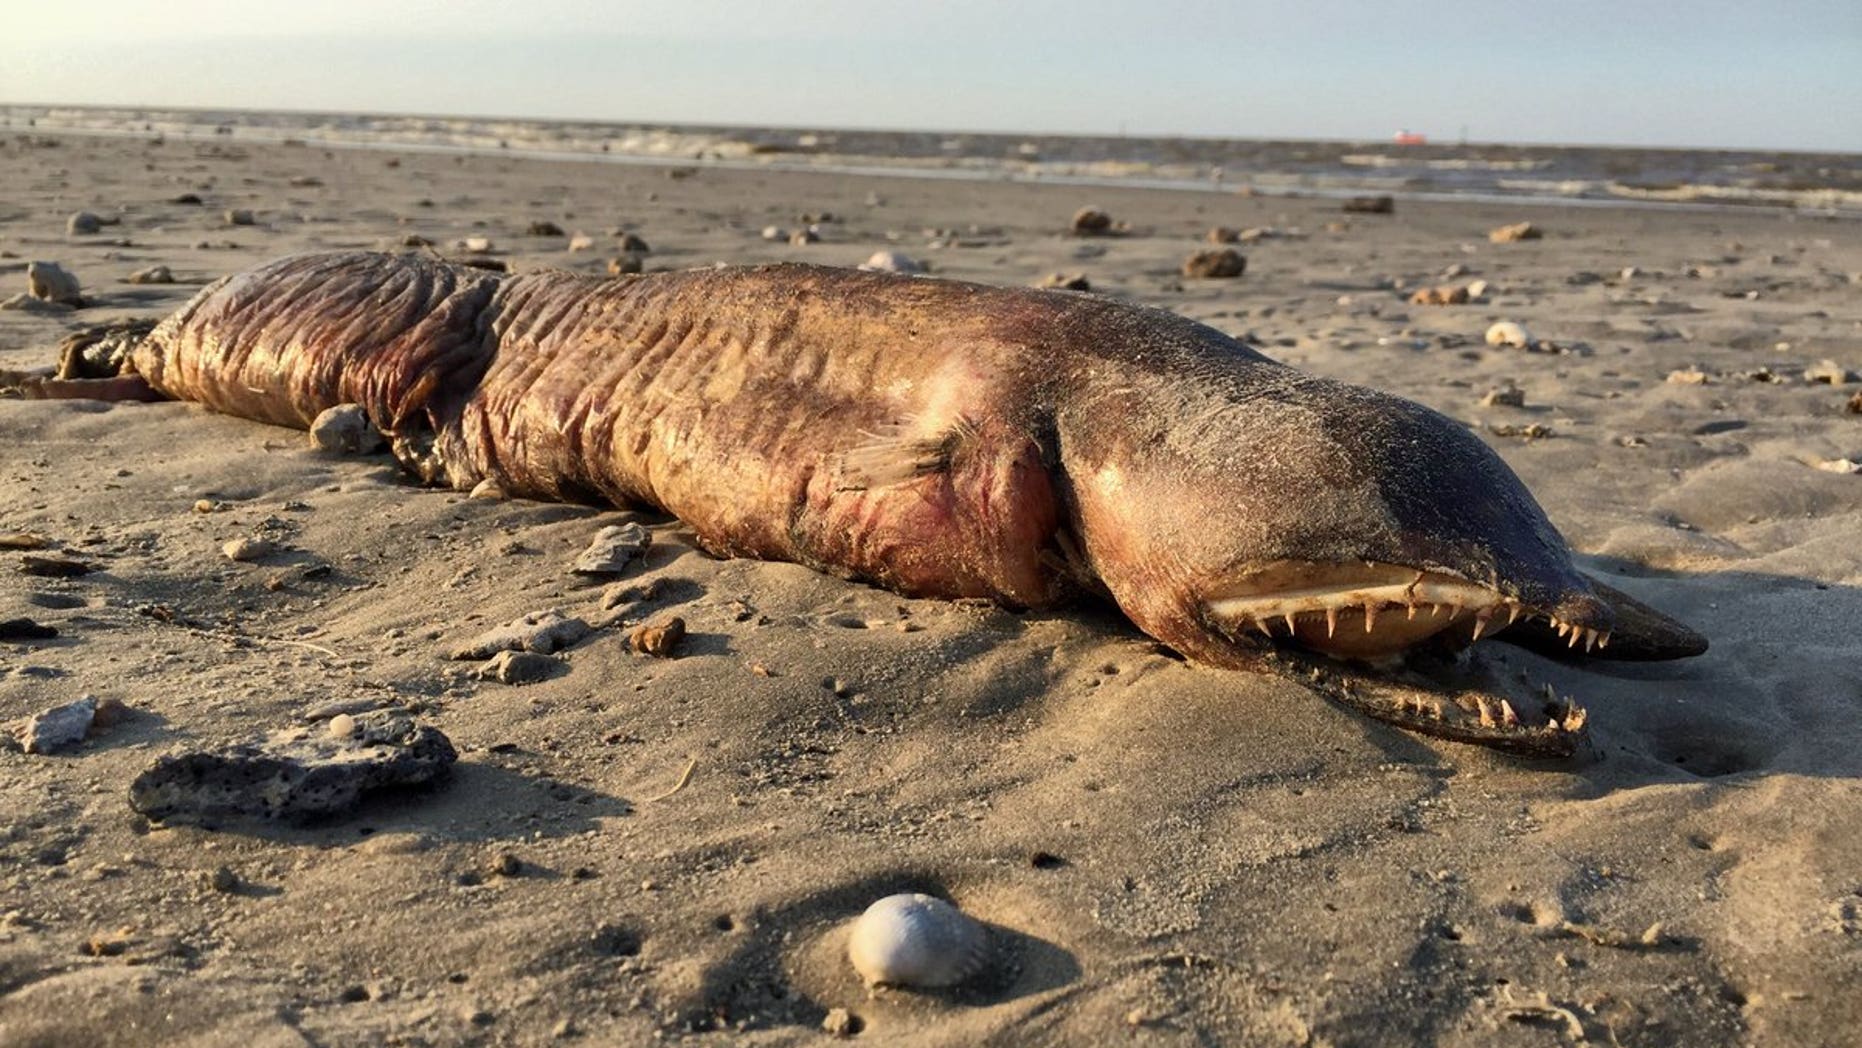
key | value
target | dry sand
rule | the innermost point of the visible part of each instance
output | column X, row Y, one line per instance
column 1232, row 859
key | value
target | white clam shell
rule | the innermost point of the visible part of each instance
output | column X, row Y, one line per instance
column 916, row 940
column 1507, row 333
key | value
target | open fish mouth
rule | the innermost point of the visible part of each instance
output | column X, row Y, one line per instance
column 1374, row 611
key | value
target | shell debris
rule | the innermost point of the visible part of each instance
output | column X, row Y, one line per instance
column 915, row 940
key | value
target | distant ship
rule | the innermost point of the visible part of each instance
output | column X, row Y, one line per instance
column 1407, row 137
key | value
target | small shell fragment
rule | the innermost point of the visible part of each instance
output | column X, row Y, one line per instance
column 1507, row 333
column 916, row 941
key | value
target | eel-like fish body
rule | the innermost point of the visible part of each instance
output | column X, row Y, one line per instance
column 945, row 439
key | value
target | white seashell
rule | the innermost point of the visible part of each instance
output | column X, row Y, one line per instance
column 916, row 940
column 1507, row 333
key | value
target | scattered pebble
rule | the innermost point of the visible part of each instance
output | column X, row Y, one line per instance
column 660, row 640
column 1444, row 295
column 222, row 879
column 246, row 550
column 1829, row 372
column 1854, row 407
column 1841, row 465
column 82, row 223
column 839, row 1022
column 239, row 216
column 539, row 631
column 613, row 549
column 1516, row 232
column 1065, row 282
column 913, row 940
column 893, row 262
column 1091, row 222
column 25, row 303
column 632, row 244
column 1370, row 205
column 775, row 233
column 344, row 430
column 153, row 275
column 624, row 264
column 1221, row 263
column 1507, row 394
column 51, row 282
column 342, row 726
column 1510, row 334
column 581, row 242
column 294, row 773
column 23, row 540
column 1690, row 376
column 487, row 489
column 476, row 245
column 804, row 236
column 1222, row 235
column 544, row 229
column 519, row 668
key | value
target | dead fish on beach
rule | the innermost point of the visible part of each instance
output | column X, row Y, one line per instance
column 945, row 439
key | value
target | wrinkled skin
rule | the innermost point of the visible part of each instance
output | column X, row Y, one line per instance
column 949, row 440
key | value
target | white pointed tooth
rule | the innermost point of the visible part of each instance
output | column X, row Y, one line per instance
column 1604, row 641
column 1576, row 632
column 1508, row 715
column 1590, row 640
column 1486, row 709
column 1331, row 621
column 1512, row 614
column 1480, row 622
column 1370, row 615
column 1412, row 613
column 1289, row 617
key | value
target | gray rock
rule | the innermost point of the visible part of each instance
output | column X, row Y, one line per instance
column 345, row 430
column 153, row 275
column 295, row 773
column 239, row 216
column 540, row 631
column 614, row 547
column 83, row 223
column 53, row 283
column 57, row 728
column 520, row 667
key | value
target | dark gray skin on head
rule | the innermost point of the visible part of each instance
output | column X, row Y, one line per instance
column 935, row 437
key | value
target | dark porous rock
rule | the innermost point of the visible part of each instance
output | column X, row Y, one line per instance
column 192, row 199
column 296, row 773
column 632, row 244
column 26, row 629
column 239, row 216
column 621, row 265
column 1371, row 205
column 545, row 229
column 1222, row 263
column 83, row 223
column 613, row 548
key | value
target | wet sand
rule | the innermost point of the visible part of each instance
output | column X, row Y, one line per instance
column 1166, row 854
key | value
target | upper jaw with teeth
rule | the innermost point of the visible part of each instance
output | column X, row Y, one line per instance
column 1371, row 610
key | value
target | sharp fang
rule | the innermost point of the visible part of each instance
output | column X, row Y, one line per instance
column 1480, row 622
column 1604, row 640
column 1370, row 615
column 1412, row 613
column 1331, row 621
column 1512, row 614
column 1508, row 715
column 1289, row 617
column 1576, row 631
column 1486, row 709
column 1590, row 640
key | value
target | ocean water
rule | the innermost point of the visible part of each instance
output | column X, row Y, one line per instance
column 1819, row 182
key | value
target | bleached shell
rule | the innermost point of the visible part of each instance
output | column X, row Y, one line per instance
column 1507, row 333
column 916, row 940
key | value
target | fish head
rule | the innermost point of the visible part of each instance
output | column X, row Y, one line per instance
column 1222, row 515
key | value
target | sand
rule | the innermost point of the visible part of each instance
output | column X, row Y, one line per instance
column 1166, row 854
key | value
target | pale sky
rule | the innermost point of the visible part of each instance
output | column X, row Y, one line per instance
column 1785, row 74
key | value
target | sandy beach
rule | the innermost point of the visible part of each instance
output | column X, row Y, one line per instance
column 643, row 849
